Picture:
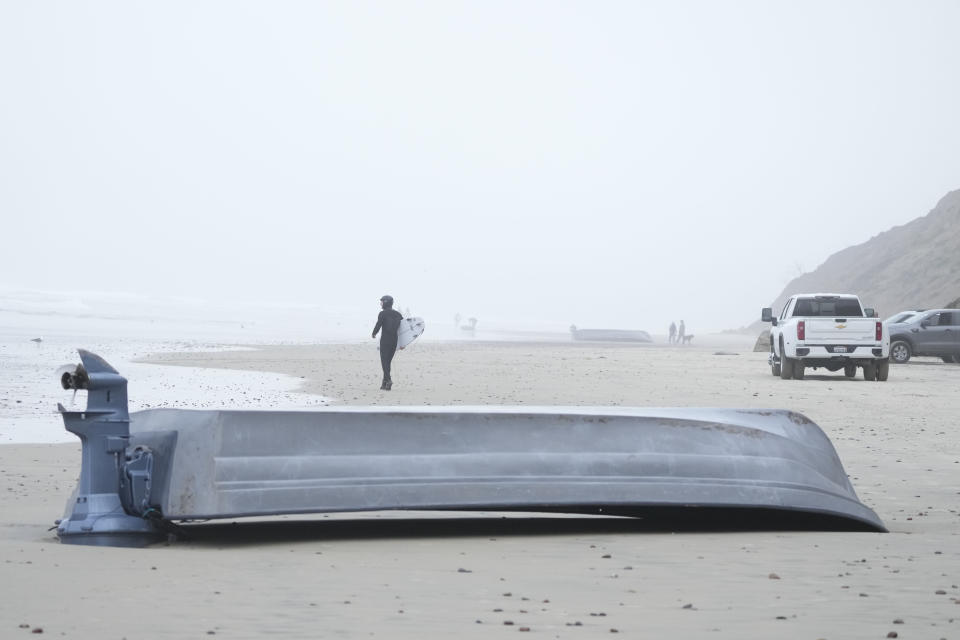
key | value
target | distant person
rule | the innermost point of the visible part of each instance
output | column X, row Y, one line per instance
column 673, row 333
column 682, row 331
column 389, row 322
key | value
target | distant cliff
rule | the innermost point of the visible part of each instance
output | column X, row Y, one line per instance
column 913, row 266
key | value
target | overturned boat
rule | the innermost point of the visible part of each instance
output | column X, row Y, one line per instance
column 610, row 335
column 143, row 471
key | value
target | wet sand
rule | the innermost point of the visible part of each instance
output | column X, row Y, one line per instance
column 401, row 576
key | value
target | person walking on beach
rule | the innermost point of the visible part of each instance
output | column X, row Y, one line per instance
column 682, row 331
column 389, row 322
column 673, row 333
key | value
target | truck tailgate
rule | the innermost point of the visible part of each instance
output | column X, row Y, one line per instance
column 840, row 330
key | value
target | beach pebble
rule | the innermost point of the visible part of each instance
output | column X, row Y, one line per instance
column 773, row 576
column 893, row 634
column 687, row 606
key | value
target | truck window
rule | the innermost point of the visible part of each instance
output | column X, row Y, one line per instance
column 783, row 313
column 900, row 317
column 828, row 307
column 939, row 319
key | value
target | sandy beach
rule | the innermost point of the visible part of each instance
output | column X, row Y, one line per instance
column 427, row 575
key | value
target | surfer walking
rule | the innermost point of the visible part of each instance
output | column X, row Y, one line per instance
column 389, row 322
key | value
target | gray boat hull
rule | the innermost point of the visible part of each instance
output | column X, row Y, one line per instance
column 144, row 470
column 611, row 335
column 245, row 463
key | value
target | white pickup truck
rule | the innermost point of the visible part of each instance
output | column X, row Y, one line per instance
column 827, row 330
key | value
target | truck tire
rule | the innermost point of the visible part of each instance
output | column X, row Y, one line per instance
column 850, row 370
column 774, row 365
column 947, row 358
column 870, row 372
column 786, row 364
column 798, row 370
column 900, row 351
column 883, row 370
column 786, row 369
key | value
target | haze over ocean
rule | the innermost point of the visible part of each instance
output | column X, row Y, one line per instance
column 535, row 163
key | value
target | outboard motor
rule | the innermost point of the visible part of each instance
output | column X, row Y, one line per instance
column 96, row 513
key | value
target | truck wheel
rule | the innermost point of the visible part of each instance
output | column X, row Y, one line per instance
column 900, row 351
column 786, row 368
column 850, row 370
column 956, row 359
column 948, row 358
column 883, row 370
column 798, row 369
column 786, row 364
column 870, row 372
column 775, row 368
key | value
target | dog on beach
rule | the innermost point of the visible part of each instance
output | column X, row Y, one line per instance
column 687, row 339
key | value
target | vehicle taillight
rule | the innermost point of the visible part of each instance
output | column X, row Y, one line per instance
column 879, row 331
column 801, row 330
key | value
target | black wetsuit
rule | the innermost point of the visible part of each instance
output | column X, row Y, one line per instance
column 389, row 321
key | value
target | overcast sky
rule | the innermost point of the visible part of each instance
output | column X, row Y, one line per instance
column 615, row 164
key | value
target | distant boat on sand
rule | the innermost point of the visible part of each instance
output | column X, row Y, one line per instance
column 610, row 335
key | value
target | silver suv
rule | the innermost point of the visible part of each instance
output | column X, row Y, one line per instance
column 934, row 332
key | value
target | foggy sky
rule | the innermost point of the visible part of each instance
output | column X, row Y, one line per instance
column 619, row 164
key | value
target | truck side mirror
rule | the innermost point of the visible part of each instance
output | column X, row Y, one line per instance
column 766, row 315
column 870, row 313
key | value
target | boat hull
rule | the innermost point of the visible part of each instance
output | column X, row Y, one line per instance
column 246, row 463
column 611, row 335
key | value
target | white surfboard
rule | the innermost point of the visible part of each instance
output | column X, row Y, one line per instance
column 410, row 329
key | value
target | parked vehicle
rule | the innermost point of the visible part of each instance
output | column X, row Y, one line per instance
column 903, row 316
column 827, row 330
column 935, row 332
